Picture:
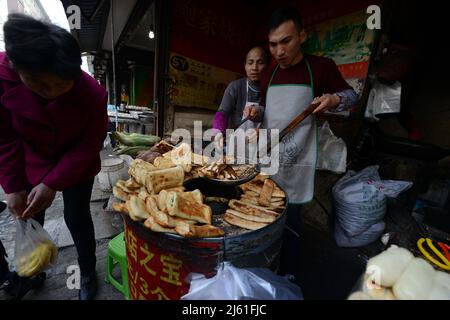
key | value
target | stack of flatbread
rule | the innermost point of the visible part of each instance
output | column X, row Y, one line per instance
column 156, row 197
column 260, row 205
column 263, row 192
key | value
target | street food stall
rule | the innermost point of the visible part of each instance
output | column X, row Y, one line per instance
column 178, row 222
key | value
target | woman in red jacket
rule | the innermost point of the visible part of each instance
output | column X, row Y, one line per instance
column 53, row 121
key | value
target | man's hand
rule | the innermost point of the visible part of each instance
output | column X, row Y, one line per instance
column 327, row 101
column 39, row 199
column 17, row 202
column 251, row 112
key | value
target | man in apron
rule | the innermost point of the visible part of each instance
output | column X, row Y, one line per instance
column 290, row 87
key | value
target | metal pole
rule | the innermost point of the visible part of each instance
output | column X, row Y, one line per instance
column 113, row 54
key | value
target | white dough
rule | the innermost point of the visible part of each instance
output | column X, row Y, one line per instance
column 416, row 281
column 441, row 287
column 386, row 268
column 375, row 291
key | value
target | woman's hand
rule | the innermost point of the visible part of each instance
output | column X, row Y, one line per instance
column 39, row 199
column 17, row 202
column 251, row 112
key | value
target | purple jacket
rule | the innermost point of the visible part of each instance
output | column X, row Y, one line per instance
column 58, row 143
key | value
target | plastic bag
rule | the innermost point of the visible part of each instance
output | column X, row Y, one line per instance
column 383, row 99
column 231, row 283
column 360, row 201
column 368, row 236
column 332, row 151
column 34, row 248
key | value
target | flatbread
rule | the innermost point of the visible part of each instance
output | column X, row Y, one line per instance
column 120, row 194
column 243, row 223
column 186, row 208
column 192, row 231
column 250, row 209
column 151, row 224
column 164, row 163
column 156, row 181
column 137, row 209
column 266, row 193
column 264, row 218
column 120, row 207
column 162, row 218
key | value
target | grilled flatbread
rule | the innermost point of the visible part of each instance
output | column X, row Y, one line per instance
column 156, row 181
column 261, row 177
column 251, row 200
column 181, row 156
column 176, row 189
column 143, row 194
column 266, row 193
column 252, row 194
column 132, row 184
column 162, row 200
column 255, row 187
column 261, row 217
column 139, row 169
column 195, row 195
column 182, row 207
column 122, row 185
column 120, row 194
column 136, row 208
column 162, row 218
column 243, row 223
column 164, row 163
column 120, row 207
column 250, row 209
column 151, row 224
column 192, row 231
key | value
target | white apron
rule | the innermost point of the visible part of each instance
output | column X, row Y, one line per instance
column 249, row 124
column 298, row 150
column 248, row 151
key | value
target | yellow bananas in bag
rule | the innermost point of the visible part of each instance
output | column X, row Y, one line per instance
column 43, row 255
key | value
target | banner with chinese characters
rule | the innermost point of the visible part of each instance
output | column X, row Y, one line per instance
column 347, row 41
column 197, row 84
column 158, row 266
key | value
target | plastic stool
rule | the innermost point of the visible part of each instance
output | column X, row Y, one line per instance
column 117, row 255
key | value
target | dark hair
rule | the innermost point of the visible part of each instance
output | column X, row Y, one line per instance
column 285, row 14
column 264, row 52
column 36, row 46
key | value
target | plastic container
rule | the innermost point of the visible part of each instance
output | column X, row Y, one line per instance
column 113, row 169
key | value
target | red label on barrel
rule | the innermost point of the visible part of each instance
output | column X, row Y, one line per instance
column 152, row 274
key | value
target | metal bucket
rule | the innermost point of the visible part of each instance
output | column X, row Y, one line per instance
column 159, row 264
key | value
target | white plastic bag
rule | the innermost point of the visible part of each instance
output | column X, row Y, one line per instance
column 383, row 99
column 332, row 151
column 34, row 248
column 231, row 283
column 360, row 200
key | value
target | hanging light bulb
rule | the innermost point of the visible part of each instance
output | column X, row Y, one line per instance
column 151, row 33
